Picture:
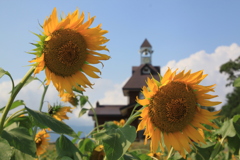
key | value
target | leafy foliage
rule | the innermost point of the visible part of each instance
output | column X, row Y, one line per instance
column 231, row 68
column 52, row 123
column 116, row 138
column 20, row 139
column 66, row 149
column 232, row 107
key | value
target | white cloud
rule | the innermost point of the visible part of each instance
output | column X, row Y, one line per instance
column 210, row 63
column 31, row 94
column 114, row 95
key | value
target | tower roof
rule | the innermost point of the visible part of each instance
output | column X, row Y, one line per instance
column 138, row 79
column 145, row 44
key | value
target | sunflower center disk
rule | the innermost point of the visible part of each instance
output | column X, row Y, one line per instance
column 65, row 52
column 173, row 107
column 39, row 142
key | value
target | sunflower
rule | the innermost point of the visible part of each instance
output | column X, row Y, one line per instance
column 172, row 110
column 98, row 153
column 155, row 155
column 60, row 113
column 66, row 50
column 41, row 141
column 120, row 123
column 70, row 98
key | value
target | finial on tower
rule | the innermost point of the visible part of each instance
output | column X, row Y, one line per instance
column 146, row 52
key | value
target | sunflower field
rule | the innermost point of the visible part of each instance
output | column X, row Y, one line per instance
column 175, row 117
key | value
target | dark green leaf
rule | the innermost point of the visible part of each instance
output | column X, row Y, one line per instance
column 236, row 124
column 83, row 100
column 65, row 148
column 5, row 151
column 55, row 125
column 233, row 143
column 116, row 139
column 236, row 83
column 18, row 155
column 20, row 139
column 14, row 105
column 36, row 123
column 86, row 145
column 204, row 152
column 217, row 148
column 66, row 158
column 82, row 112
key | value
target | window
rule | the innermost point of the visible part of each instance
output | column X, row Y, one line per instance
column 146, row 70
column 140, row 95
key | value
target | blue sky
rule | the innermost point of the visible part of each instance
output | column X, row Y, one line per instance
column 186, row 31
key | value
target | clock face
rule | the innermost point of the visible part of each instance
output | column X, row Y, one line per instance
column 146, row 59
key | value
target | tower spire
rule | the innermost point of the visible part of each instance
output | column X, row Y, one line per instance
column 146, row 52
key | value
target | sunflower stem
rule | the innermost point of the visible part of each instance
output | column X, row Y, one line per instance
column 43, row 96
column 95, row 115
column 13, row 96
column 132, row 118
column 170, row 153
column 135, row 107
column 40, row 107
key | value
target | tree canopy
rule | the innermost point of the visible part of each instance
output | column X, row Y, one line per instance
column 232, row 69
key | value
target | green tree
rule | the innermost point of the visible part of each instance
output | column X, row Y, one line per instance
column 232, row 69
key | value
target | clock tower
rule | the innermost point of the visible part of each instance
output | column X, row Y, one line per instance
column 146, row 52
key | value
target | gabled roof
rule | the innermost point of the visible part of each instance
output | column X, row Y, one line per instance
column 138, row 79
column 146, row 44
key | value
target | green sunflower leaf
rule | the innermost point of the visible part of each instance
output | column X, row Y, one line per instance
column 116, row 139
column 20, row 139
column 83, row 100
column 236, row 124
column 82, row 112
column 6, row 150
column 217, row 148
column 14, row 105
column 18, row 155
column 233, row 143
column 55, row 125
column 66, row 158
column 74, row 140
column 86, row 145
column 3, row 72
column 65, row 148
column 204, row 151
column 227, row 129
column 236, row 83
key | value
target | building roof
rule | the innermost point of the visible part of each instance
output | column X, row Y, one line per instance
column 146, row 44
column 107, row 110
column 138, row 78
